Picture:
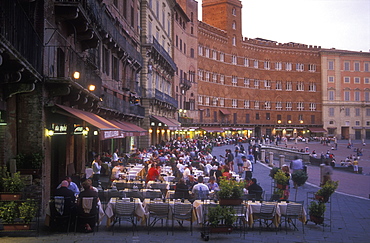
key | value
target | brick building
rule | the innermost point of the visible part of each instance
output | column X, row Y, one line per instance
column 256, row 86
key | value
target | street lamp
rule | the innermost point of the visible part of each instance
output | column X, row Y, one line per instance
column 76, row 75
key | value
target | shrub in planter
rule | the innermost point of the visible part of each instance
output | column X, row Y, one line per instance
column 221, row 216
column 281, row 178
column 316, row 212
column 27, row 211
column 13, row 183
column 327, row 190
column 230, row 189
column 9, row 212
column 273, row 171
column 299, row 177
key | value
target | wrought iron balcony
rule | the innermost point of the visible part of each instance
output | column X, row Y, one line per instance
column 185, row 84
column 160, row 96
column 111, row 102
column 75, row 13
column 186, row 120
column 161, row 56
column 19, row 38
column 111, row 35
column 61, row 82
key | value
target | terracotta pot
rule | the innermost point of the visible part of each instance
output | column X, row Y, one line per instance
column 280, row 186
column 231, row 201
column 13, row 227
column 317, row 220
column 221, row 229
column 321, row 198
column 10, row 196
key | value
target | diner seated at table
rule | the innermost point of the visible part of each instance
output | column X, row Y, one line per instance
column 200, row 190
column 71, row 185
column 116, row 170
column 187, row 172
column 212, row 184
column 191, row 182
column 153, row 173
column 227, row 173
column 181, row 190
column 69, row 197
column 254, row 188
column 88, row 191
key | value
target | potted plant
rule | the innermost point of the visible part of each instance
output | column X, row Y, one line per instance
column 282, row 180
column 273, row 172
column 230, row 192
column 29, row 164
column 27, row 211
column 316, row 212
column 13, row 186
column 299, row 178
column 221, row 218
column 9, row 212
column 324, row 193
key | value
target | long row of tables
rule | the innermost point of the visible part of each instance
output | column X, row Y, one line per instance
column 141, row 210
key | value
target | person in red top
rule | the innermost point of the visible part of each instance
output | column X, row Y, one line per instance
column 226, row 173
column 153, row 173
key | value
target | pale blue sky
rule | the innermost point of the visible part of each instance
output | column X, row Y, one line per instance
column 342, row 24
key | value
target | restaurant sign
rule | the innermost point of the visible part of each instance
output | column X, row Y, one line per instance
column 59, row 128
column 112, row 134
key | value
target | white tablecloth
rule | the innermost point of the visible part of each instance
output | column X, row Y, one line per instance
column 109, row 211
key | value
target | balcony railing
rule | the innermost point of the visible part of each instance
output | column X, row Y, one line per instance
column 161, row 51
column 165, row 98
column 63, row 71
column 14, row 27
column 112, row 102
column 99, row 15
column 186, row 120
column 185, row 84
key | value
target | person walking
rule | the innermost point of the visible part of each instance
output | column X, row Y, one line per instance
column 247, row 167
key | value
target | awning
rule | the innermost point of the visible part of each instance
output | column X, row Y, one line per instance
column 212, row 129
column 107, row 129
column 225, row 112
column 317, row 130
column 130, row 129
column 172, row 124
column 357, row 128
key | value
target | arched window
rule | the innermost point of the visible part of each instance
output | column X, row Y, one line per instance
column 234, row 25
column 233, row 12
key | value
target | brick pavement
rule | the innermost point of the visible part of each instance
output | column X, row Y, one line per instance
column 350, row 217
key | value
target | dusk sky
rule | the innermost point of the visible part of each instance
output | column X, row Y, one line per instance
column 340, row 24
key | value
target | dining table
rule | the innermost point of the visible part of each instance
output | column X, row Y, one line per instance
column 255, row 207
column 171, row 204
column 199, row 204
column 139, row 210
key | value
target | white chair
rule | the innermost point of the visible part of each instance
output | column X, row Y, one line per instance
column 181, row 212
column 124, row 211
column 293, row 212
column 157, row 211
